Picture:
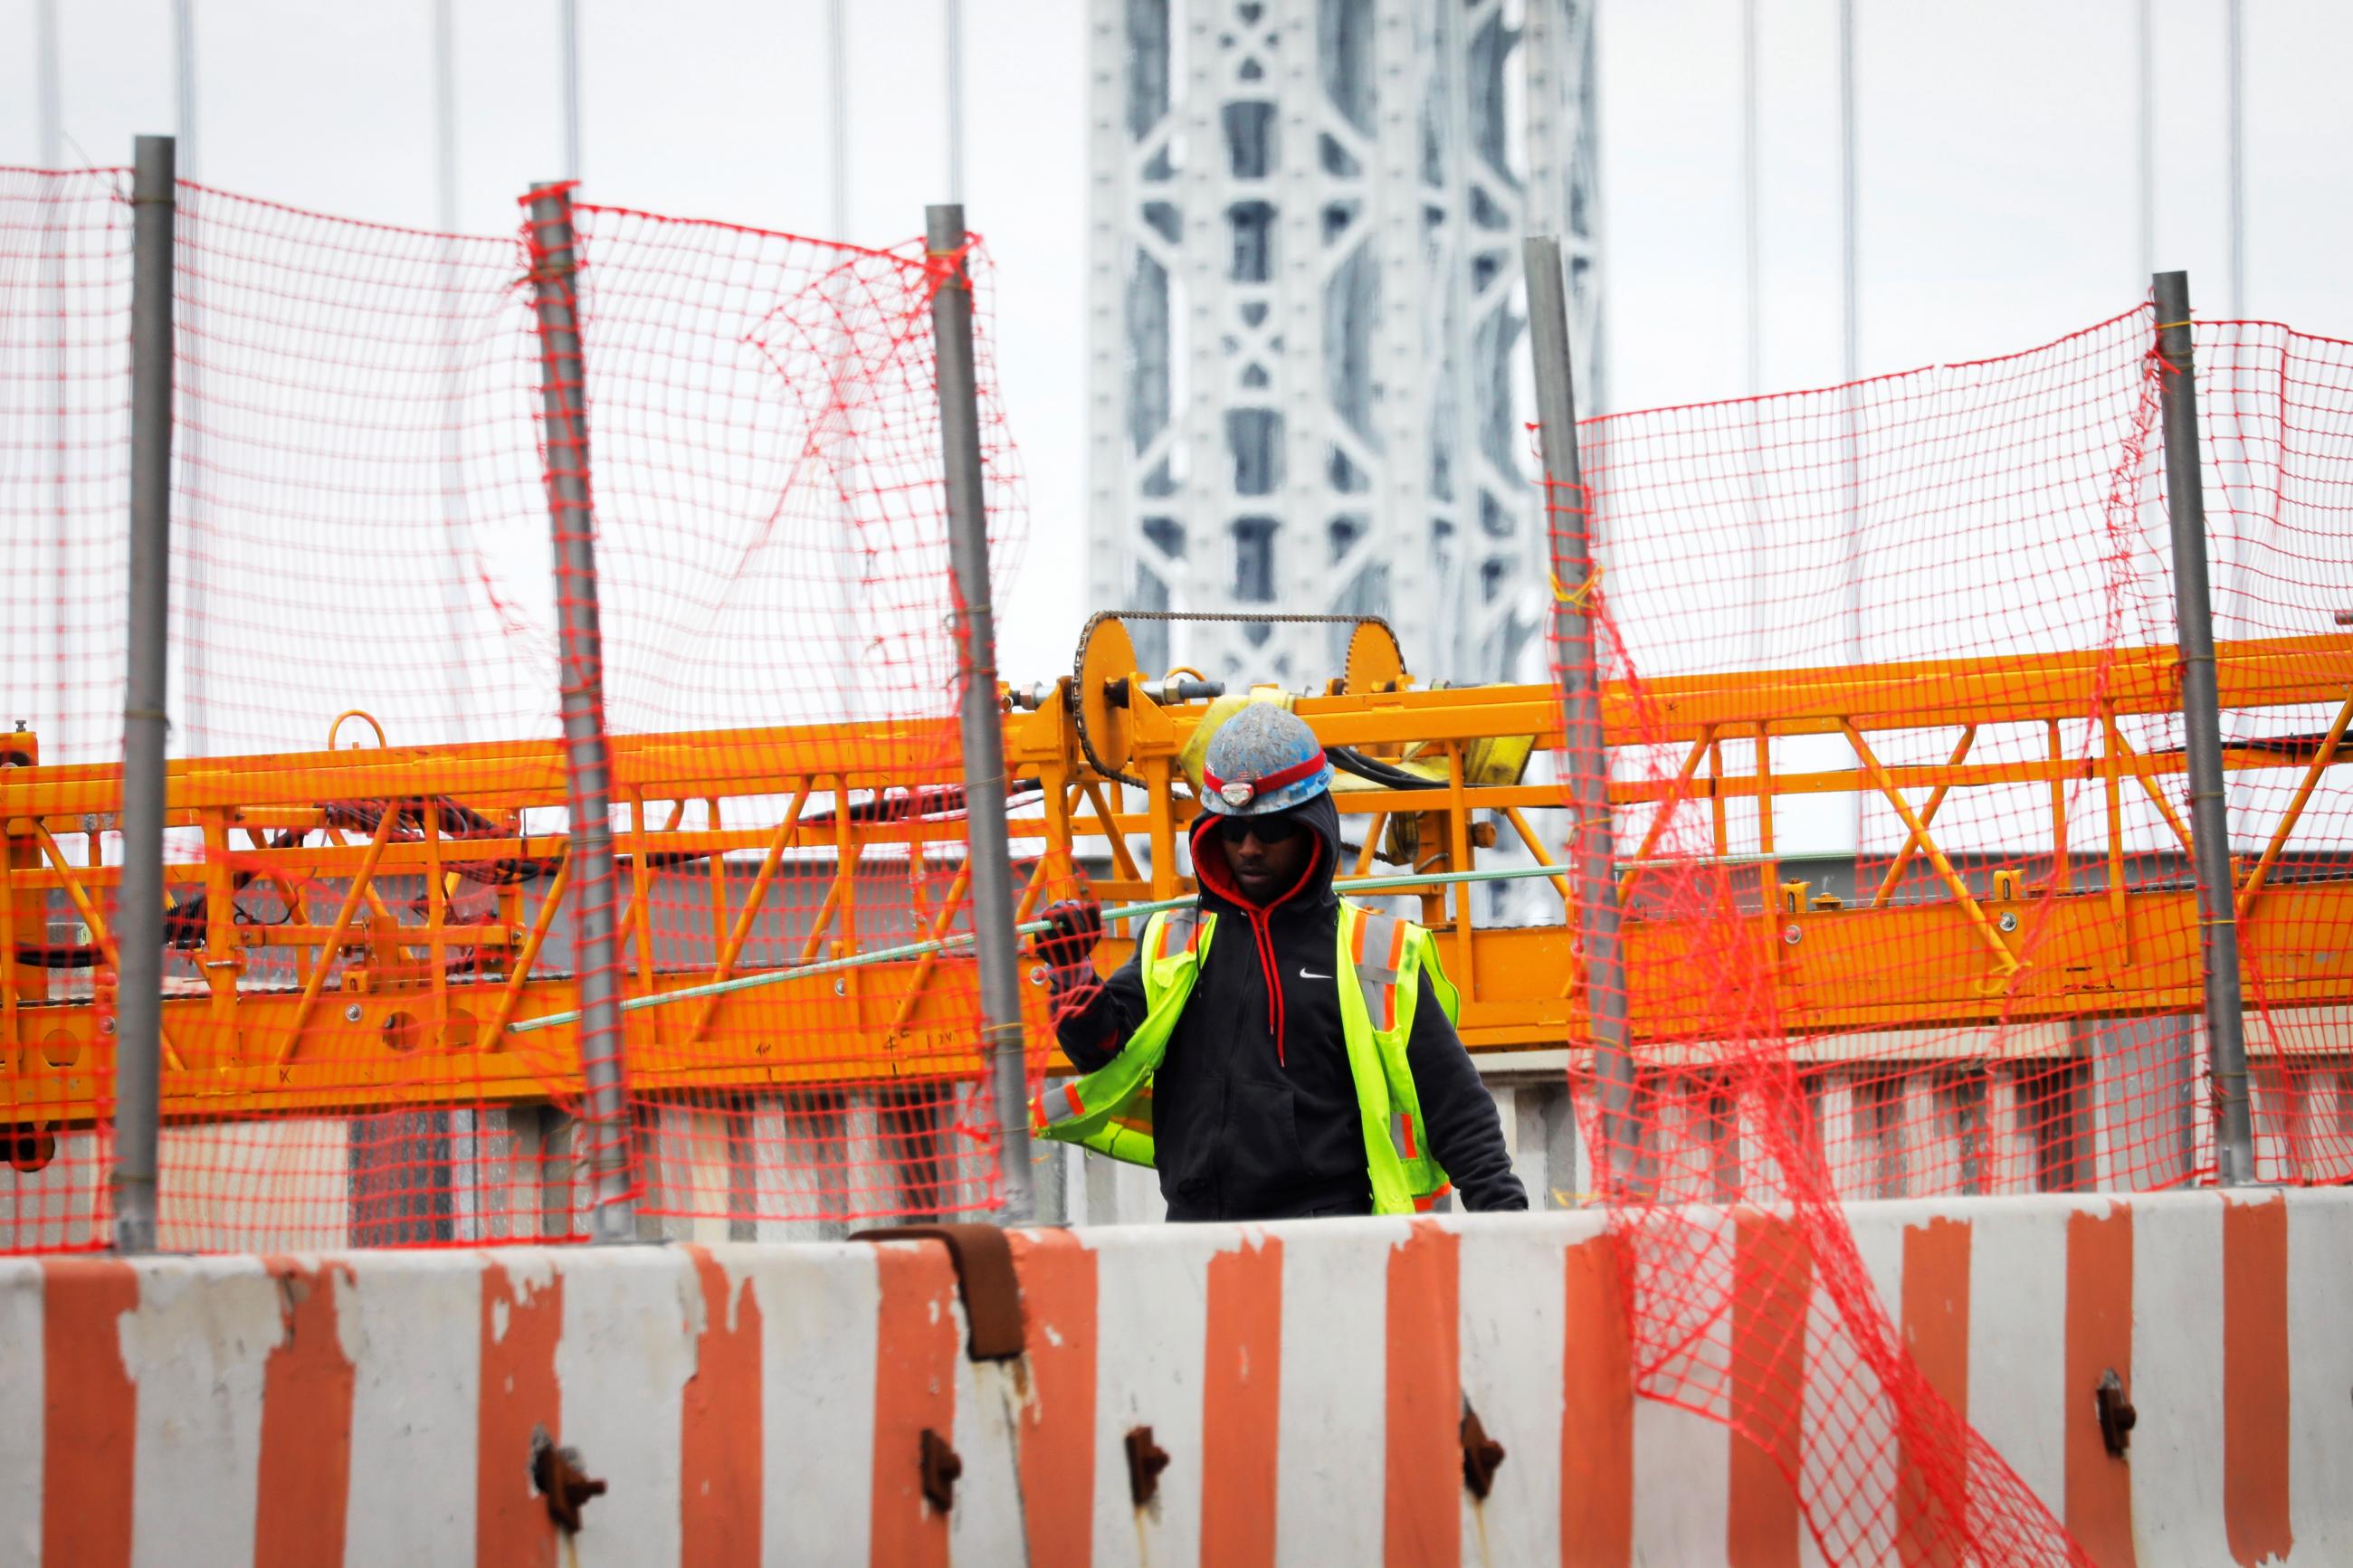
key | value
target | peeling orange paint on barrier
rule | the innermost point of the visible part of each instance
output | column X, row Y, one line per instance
column 1936, row 1327
column 1241, row 1404
column 1423, row 1517
column 523, row 1318
column 2256, row 1393
column 304, row 1486
column 1772, row 1283
column 89, row 1413
column 720, row 1435
column 1597, row 1433
column 1058, row 1422
column 918, row 1342
column 2099, row 1318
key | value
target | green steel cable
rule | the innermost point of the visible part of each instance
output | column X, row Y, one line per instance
column 1027, row 928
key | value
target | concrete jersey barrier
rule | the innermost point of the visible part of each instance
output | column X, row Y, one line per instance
column 769, row 1403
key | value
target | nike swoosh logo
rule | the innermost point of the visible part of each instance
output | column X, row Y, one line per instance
column 1305, row 975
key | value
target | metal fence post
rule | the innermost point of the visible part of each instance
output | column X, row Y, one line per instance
column 1593, row 851
column 138, row 911
column 989, row 855
column 587, row 764
column 2201, row 725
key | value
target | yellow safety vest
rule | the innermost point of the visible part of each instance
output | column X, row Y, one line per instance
column 1109, row 1110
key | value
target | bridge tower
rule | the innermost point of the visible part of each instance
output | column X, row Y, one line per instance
column 1305, row 323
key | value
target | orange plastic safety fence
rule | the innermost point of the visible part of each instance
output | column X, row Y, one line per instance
column 365, row 696
column 1885, row 902
column 768, row 470
column 2276, row 412
column 65, row 334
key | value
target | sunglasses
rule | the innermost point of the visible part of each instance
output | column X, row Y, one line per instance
column 1265, row 829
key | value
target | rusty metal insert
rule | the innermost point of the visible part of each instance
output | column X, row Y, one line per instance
column 557, row 1472
column 1145, row 1461
column 985, row 1278
column 1482, row 1455
column 939, row 1467
column 2117, row 1416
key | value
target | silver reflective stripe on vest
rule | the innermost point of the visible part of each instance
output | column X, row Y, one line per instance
column 1058, row 1105
column 1373, row 971
column 1176, row 931
column 1401, row 1135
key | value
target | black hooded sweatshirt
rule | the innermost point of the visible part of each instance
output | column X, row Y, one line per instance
column 1254, row 1112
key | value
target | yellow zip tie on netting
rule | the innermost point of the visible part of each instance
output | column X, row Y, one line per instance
column 1579, row 598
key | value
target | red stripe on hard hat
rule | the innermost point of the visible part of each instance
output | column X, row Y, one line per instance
column 1282, row 779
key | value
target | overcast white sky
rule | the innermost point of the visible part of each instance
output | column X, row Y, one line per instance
column 1999, row 182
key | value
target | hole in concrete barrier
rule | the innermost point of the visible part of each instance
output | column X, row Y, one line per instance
column 402, row 1032
column 60, row 1048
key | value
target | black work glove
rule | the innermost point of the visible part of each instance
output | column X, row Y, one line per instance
column 1075, row 926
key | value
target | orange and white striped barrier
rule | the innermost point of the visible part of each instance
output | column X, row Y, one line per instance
column 1306, row 1382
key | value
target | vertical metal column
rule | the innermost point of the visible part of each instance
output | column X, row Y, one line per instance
column 568, row 29
column 48, row 110
column 139, row 916
column 2144, row 132
column 2201, row 725
column 990, row 856
column 2234, row 69
column 1593, row 851
column 453, row 377
column 195, row 564
column 837, row 116
column 588, row 766
column 1752, row 225
column 1851, row 369
column 955, row 105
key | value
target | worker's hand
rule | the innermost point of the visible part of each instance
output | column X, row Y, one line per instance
column 1076, row 926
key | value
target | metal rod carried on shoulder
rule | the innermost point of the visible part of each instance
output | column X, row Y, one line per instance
column 1400, row 884
column 2201, row 727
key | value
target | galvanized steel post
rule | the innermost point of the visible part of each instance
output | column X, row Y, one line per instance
column 587, row 762
column 988, row 853
column 139, row 914
column 2201, row 726
column 1593, row 851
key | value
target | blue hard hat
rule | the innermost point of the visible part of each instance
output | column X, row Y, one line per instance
column 1262, row 760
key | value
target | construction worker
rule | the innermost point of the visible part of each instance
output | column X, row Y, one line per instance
column 1275, row 1051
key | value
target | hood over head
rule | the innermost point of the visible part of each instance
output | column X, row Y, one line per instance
column 1321, row 819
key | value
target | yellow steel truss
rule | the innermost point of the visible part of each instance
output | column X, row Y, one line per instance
column 394, row 1026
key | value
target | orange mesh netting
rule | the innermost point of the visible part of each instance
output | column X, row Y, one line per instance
column 65, row 334
column 361, row 529
column 1900, row 816
column 1893, row 706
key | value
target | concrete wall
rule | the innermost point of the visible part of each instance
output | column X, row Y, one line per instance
column 2111, row 1106
column 751, row 1403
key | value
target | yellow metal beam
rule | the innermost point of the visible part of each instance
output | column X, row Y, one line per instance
column 374, row 1034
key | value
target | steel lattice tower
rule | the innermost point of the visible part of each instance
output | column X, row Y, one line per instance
column 1306, row 321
